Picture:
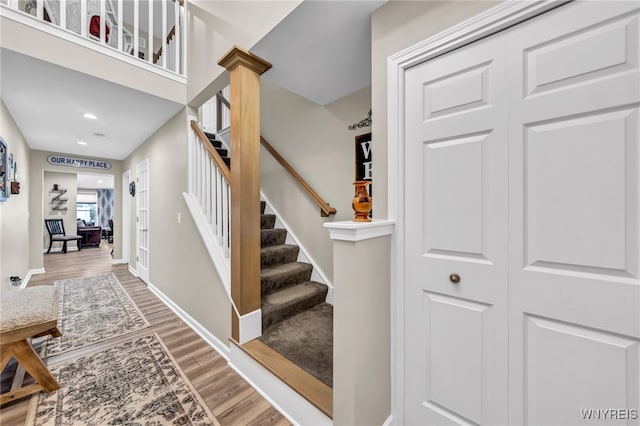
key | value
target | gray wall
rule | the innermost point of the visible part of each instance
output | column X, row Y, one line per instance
column 14, row 213
column 179, row 265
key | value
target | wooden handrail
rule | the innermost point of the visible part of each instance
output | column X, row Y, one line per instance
column 224, row 169
column 170, row 36
column 223, row 99
column 325, row 209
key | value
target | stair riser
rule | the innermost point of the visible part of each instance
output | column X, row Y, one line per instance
column 288, row 255
column 297, row 276
column 289, row 311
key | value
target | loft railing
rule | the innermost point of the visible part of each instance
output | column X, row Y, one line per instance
column 222, row 120
column 116, row 24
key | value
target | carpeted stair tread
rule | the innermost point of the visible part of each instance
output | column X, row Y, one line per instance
column 306, row 339
column 267, row 221
column 283, row 304
column 222, row 152
column 272, row 237
column 278, row 255
column 263, row 204
column 282, row 276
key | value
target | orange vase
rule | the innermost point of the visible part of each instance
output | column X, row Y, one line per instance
column 362, row 201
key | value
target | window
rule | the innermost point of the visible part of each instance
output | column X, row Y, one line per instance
column 86, row 206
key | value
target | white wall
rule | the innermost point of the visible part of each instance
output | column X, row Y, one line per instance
column 179, row 265
column 316, row 141
column 14, row 213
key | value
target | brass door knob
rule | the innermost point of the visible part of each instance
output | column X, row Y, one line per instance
column 454, row 278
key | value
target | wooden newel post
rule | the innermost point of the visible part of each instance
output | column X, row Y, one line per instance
column 244, row 71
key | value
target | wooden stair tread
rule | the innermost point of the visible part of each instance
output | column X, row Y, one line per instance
column 310, row 388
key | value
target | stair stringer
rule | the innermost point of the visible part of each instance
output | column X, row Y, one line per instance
column 303, row 255
column 251, row 323
column 287, row 401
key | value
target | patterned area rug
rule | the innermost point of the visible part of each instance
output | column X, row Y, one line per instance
column 134, row 383
column 90, row 310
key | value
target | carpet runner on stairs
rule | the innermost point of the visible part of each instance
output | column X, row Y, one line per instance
column 296, row 321
column 222, row 151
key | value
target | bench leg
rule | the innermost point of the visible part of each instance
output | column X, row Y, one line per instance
column 79, row 244
column 23, row 352
column 50, row 243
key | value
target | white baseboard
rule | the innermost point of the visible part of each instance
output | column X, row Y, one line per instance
column 133, row 271
column 119, row 262
column 208, row 337
column 288, row 402
column 31, row 272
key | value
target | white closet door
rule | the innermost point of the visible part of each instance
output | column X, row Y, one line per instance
column 574, row 293
column 456, row 213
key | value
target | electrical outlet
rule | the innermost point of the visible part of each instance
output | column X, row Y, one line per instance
column 179, row 217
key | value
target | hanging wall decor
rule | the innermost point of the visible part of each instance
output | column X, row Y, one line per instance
column 4, row 175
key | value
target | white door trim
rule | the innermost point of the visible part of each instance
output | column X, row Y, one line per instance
column 140, row 272
column 496, row 19
column 125, row 226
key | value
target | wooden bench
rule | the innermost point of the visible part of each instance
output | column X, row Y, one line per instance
column 27, row 313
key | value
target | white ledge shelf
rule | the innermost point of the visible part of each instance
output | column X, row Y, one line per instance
column 358, row 231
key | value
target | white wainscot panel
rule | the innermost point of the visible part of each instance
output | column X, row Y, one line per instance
column 453, row 196
column 576, row 200
column 571, row 368
column 454, row 367
column 594, row 52
column 461, row 91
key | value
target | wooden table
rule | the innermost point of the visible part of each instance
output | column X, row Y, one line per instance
column 27, row 313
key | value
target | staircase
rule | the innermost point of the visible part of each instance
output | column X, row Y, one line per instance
column 296, row 321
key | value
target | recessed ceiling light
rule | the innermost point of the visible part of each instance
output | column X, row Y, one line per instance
column 89, row 116
column 100, row 181
column 81, row 143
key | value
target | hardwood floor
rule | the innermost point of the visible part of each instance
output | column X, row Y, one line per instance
column 228, row 396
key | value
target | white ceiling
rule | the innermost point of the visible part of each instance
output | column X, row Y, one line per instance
column 47, row 103
column 322, row 49
column 95, row 181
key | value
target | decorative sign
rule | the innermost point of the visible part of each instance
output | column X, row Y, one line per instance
column 363, row 161
column 63, row 160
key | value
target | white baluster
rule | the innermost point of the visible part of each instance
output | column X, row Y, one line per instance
column 164, row 34
column 192, row 137
column 136, row 28
column 201, row 177
column 228, row 214
column 63, row 14
column 150, row 44
column 103, row 23
column 180, row 65
column 207, row 211
column 120, row 25
column 39, row 9
column 219, row 198
column 83, row 18
column 214, row 197
column 13, row 4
